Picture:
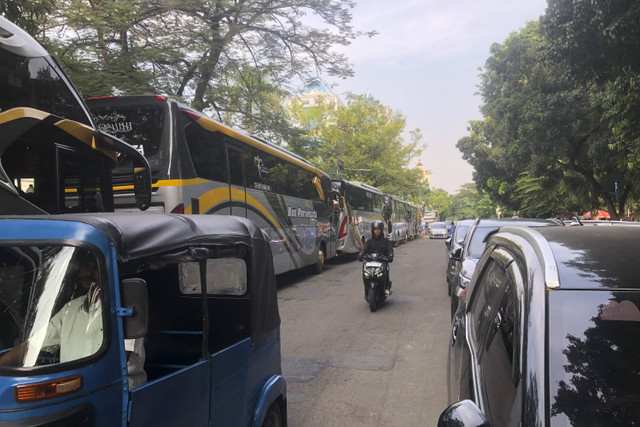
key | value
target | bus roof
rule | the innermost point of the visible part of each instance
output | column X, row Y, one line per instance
column 18, row 41
column 361, row 185
column 214, row 126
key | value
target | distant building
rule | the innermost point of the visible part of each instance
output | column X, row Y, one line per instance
column 313, row 98
column 425, row 174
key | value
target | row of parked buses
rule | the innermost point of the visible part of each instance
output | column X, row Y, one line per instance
column 199, row 165
column 360, row 204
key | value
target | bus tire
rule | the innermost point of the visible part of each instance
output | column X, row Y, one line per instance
column 319, row 265
column 273, row 418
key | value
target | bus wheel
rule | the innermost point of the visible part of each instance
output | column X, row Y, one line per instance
column 319, row 265
column 273, row 417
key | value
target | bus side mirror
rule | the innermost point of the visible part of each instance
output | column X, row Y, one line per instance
column 135, row 297
column 142, row 186
column 141, row 169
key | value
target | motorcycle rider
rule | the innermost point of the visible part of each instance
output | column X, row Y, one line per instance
column 379, row 245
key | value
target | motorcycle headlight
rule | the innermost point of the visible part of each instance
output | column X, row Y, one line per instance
column 379, row 273
column 367, row 273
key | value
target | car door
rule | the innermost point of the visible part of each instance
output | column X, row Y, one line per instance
column 500, row 356
column 468, row 329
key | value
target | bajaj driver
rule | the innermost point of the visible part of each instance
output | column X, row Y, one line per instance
column 380, row 245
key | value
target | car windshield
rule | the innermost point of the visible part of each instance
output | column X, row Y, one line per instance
column 594, row 354
column 438, row 225
column 50, row 305
column 37, row 83
column 461, row 231
column 477, row 243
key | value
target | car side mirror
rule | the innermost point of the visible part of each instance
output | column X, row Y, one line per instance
column 456, row 254
column 463, row 414
column 136, row 298
column 448, row 242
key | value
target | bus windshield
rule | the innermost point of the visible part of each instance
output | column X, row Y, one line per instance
column 38, row 83
column 50, row 305
column 142, row 126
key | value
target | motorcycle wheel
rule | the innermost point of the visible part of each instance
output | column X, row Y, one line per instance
column 372, row 299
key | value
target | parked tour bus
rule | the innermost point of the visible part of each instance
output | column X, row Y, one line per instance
column 430, row 216
column 398, row 223
column 201, row 166
column 120, row 319
column 52, row 159
column 414, row 218
column 359, row 205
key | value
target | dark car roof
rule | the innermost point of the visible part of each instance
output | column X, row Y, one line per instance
column 595, row 257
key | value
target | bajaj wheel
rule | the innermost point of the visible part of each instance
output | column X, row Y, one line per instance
column 372, row 299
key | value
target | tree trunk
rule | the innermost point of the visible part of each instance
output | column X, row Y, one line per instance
column 206, row 72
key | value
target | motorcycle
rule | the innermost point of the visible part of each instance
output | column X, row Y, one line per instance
column 375, row 274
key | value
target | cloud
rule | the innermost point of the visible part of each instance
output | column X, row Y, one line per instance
column 431, row 30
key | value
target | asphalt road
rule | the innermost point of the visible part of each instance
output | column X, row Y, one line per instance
column 346, row 366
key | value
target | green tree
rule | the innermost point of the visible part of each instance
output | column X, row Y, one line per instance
column 440, row 200
column 28, row 15
column 367, row 137
column 232, row 58
column 541, row 121
column 469, row 203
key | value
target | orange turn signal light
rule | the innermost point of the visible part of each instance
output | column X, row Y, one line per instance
column 47, row 390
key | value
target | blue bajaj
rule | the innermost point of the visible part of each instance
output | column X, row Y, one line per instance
column 138, row 320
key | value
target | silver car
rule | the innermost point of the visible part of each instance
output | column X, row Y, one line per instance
column 438, row 230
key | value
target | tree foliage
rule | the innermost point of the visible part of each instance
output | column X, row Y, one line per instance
column 545, row 134
column 369, row 139
column 29, row 15
column 235, row 59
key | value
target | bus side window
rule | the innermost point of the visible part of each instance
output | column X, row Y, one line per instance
column 207, row 152
column 236, row 173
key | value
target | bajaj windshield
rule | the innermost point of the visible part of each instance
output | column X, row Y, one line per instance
column 50, row 305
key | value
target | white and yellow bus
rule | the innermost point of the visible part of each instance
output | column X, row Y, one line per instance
column 199, row 165
column 52, row 158
column 359, row 205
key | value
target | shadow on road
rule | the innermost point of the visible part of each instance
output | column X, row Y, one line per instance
column 292, row 278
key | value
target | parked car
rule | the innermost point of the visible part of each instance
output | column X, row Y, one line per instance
column 438, row 230
column 467, row 257
column 548, row 332
column 454, row 242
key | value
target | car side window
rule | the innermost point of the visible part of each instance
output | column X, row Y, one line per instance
column 499, row 357
column 485, row 298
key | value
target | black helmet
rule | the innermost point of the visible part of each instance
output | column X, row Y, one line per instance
column 377, row 224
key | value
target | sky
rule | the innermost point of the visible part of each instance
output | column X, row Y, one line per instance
column 424, row 64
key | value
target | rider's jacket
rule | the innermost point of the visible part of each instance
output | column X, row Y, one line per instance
column 378, row 245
